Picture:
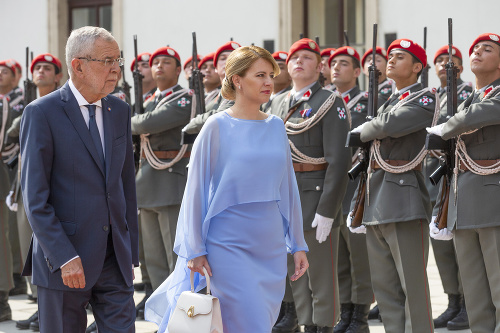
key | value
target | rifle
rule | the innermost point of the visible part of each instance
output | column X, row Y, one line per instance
column 29, row 85
column 138, row 102
column 354, row 140
column 196, row 84
column 346, row 38
column 322, row 78
column 434, row 142
column 424, row 77
column 125, row 86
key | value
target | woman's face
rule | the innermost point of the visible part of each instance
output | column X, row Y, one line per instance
column 258, row 82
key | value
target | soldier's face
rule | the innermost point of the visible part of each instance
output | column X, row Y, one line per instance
column 44, row 74
column 257, row 84
column 343, row 71
column 304, row 66
column 7, row 78
column 145, row 70
column 485, row 58
column 188, row 71
column 380, row 63
column 440, row 66
column 283, row 79
column 326, row 69
column 401, row 66
column 165, row 70
column 210, row 75
column 221, row 64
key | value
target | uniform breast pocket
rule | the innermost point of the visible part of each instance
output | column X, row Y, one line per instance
column 69, row 227
column 402, row 179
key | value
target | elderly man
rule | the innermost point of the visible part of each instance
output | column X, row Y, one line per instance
column 78, row 188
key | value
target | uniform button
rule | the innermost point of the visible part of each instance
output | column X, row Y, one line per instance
column 50, row 267
column 105, row 228
column 318, row 188
column 170, row 169
column 401, row 181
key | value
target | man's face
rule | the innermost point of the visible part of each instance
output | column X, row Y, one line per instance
column 326, row 69
column 283, row 79
column 221, row 64
column 7, row 79
column 380, row 63
column 401, row 66
column 440, row 66
column 44, row 74
column 485, row 58
column 165, row 70
column 145, row 70
column 188, row 71
column 343, row 71
column 304, row 66
column 210, row 75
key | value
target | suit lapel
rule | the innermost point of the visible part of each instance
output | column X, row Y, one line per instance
column 108, row 132
column 75, row 116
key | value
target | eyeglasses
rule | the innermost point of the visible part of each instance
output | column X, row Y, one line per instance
column 107, row 62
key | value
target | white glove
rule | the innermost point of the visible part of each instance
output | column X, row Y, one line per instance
column 359, row 230
column 358, row 129
column 436, row 130
column 435, row 233
column 323, row 227
column 349, row 219
column 8, row 201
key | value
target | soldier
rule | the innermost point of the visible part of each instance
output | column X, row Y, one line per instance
column 148, row 83
column 455, row 315
column 119, row 92
column 385, row 85
column 473, row 214
column 218, row 103
column 188, row 67
column 317, row 124
column 47, row 73
column 162, row 171
column 397, row 205
column 12, row 106
column 355, row 289
column 325, row 57
column 211, row 80
column 282, row 82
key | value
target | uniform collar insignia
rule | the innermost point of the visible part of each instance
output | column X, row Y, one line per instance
column 404, row 95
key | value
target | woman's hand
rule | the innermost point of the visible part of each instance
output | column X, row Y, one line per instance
column 197, row 264
column 301, row 265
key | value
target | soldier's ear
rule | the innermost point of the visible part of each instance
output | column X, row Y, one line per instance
column 178, row 70
column 320, row 67
column 357, row 72
column 417, row 67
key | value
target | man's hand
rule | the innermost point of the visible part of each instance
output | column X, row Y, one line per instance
column 358, row 129
column 72, row 274
column 323, row 227
column 436, row 130
column 301, row 265
column 12, row 205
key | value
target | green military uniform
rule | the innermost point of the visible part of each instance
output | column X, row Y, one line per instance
column 316, row 293
column 268, row 106
column 353, row 268
column 473, row 209
column 444, row 251
column 159, row 192
column 396, row 214
column 385, row 89
column 216, row 105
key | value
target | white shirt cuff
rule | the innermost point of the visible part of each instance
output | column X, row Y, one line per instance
column 69, row 261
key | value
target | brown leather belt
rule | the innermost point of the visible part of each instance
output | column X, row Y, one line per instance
column 483, row 163
column 306, row 167
column 395, row 163
column 167, row 154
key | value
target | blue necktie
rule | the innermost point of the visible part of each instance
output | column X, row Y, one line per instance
column 94, row 133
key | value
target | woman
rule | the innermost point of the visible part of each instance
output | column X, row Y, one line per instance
column 241, row 207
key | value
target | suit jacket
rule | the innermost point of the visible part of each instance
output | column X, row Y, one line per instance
column 320, row 191
column 70, row 200
column 476, row 205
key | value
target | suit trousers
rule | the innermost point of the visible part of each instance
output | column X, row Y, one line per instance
column 111, row 299
column 316, row 292
column 478, row 253
column 25, row 234
column 398, row 254
column 355, row 285
column 158, row 230
column 6, row 280
column 142, row 259
column 447, row 264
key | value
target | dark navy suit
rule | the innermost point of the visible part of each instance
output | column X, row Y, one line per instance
column 78, row 208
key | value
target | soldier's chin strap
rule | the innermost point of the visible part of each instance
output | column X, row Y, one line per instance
column 146, row 149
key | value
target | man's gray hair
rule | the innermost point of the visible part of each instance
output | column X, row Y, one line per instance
column 81, row 43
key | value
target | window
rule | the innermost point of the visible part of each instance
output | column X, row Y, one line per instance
column 89, row 12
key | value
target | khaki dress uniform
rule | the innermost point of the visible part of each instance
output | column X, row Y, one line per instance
column 473, row 207
column 353, row 268
column 216, row 105
column 397, row 211
column 316, row 293
column 159, row 192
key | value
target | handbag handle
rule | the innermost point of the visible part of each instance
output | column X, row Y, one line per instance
column 206, row 276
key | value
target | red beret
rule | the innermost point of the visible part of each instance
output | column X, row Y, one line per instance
column 303, row 44
column 229, row 46
column 49, row 58
column 208, row 57
column 142, row 57
column 327, row 52
column 409, row 46
column 280, row 56
column 378, row 50
column 487, row 37
column 444, row 50
column 188, row 61
column 10, row 64
column 18, row 66
column 344, row 50
column 164, row 51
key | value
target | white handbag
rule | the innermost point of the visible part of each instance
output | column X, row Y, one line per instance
column 196, row 313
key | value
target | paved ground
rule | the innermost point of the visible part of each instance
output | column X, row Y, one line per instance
column 22, row 308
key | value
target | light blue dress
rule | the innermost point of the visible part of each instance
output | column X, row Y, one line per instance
column 241, row 208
